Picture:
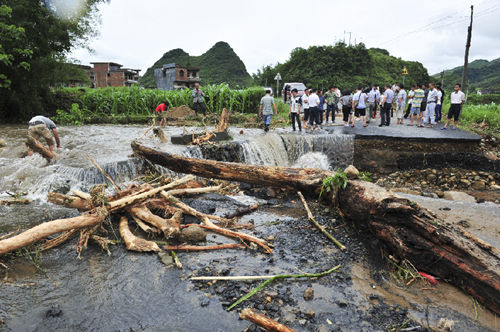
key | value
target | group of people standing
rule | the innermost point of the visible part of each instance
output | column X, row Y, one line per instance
column 423, row 104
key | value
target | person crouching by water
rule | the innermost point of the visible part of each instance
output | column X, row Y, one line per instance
column 266, row 109
column 295, row 106
column 162, row 112
column 198, row 100
column 40, row 126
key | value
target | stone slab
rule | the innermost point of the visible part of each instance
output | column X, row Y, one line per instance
column 188, row 138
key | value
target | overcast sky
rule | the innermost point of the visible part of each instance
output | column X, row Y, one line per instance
column 137, row 33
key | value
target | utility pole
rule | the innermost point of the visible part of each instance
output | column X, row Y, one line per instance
column 467, row 46
column 349, row 37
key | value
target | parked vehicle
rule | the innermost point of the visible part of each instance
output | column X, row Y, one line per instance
column 288, row 87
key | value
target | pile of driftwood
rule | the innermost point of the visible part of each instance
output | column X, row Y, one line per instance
column 137, row 203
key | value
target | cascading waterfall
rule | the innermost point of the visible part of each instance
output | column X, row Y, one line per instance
column 337, row 151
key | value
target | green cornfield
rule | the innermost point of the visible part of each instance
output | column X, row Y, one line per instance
column 139, row 101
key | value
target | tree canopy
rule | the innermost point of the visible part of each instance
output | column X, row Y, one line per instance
column 36, row 39
column 342, row 65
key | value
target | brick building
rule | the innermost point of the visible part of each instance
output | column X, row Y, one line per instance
column 111, row 74
column 173, row 76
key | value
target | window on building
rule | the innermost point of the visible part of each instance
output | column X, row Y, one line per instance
column 109, row 84
column 194, row 74
column 181, row 73
column 164, row 73
column 109, row 74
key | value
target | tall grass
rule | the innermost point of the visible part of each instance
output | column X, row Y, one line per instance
column 489, row 113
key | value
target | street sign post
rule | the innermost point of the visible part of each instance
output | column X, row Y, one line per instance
column 278, row 79
column 404, row 73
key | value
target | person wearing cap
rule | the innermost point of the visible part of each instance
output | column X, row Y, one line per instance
column 40, row 126
column 266, row 109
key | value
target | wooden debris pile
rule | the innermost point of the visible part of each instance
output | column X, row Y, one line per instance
column 156, row 210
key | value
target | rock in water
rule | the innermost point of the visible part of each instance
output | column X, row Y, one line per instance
column 308, row 294
column 2, row 143
column 165, row 258
column 458, row 196
column 352, row 172
column 193, row 234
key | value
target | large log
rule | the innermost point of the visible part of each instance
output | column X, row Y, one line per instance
column 302, row 179
column 40, row 232
column 424, row 239
column 410, row 230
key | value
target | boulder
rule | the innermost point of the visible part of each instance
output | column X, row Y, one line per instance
column 192, row 234
column 458, row 196
column 478, row 185
column 2, row 143
column 439, row 193
column 352, row 172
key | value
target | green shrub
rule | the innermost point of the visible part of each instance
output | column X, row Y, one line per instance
column 475, row 99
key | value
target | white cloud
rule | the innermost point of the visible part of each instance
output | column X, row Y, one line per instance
column 136, row 34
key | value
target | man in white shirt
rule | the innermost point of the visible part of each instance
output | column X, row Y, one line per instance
column 372, row 103
column 295, row 103
column 410, row 97
column 457, row 100
column 432, row 99
column 355, row 102
column 313, row 102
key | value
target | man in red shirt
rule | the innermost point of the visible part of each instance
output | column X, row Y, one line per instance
column 162, row 110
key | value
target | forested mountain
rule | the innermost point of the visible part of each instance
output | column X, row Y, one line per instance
column 342, row 65
column 220, row 64
column 481, row 74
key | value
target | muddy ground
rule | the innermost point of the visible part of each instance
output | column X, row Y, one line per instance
column 130, row 291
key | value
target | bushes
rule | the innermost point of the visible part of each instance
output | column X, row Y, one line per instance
column 475, row 99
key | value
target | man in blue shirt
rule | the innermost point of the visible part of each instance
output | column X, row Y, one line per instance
column 386, row 106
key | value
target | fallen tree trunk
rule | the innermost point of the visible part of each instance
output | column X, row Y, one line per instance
column 267, row 323
column 421, row 237
column 40, row 232
column 38, row 147
column 303, row 179
column 411, row 231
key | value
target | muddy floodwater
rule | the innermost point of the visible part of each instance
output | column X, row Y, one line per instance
column 130, row 291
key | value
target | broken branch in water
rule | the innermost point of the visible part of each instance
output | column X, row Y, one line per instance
column 203, row 248
column 147, row 131
column 267, row 323
column 261, row 286
column 132, row 242
column 321, row 228
column 104, row 173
